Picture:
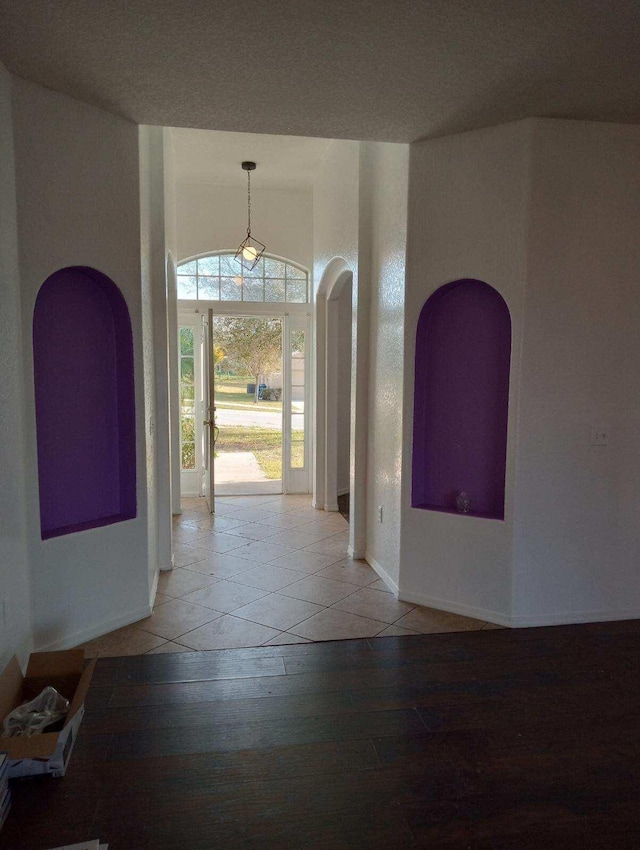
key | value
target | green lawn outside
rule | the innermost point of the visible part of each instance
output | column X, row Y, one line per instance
column 264, row 443
column 231, row 393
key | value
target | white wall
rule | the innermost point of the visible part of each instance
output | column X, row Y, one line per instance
column 77, row 184
column 336, row 235
column 335, row 209
column 15, row 600
column 548, row 212
column 577, row 527
column 212, row 218
column 360, row 214
column 386, row 168
column 467, row 218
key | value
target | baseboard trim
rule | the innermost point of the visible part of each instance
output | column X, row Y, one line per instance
column 333, row 507
column 344, row 491
column 572, row 618
column 92, row 632
column 356, row 554
column 380, row 570
column 451, row 607
column 522, row 621
column 154, row 590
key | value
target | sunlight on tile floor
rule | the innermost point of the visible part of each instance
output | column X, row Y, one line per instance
column 268, row 570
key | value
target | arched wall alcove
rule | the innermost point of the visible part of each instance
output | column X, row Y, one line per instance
column 462, row 361
column 85, row 405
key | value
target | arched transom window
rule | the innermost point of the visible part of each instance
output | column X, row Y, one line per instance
column 220, row 277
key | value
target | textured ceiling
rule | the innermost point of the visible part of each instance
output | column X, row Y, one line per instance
column 394, row 70
column 284, row 162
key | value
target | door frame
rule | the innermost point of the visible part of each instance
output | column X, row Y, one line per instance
column 208, row 403
column 189, row 313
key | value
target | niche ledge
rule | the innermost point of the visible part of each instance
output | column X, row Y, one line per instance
column 455, row 512
column 85, row 526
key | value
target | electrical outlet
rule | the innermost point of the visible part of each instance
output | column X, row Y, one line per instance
column 379, row 513
column 599, row 437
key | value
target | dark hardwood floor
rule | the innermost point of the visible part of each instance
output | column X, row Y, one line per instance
column 509, row 740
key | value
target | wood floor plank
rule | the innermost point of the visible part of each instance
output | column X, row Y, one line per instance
column 195, row 714
column 286, row 732
column 359, row 829
column 268, row 809
column 482, row 820
column 202, row 772
column 302, row 795
column 149, row 826
column 263, row 687
column 129, row 667
column 199, row 667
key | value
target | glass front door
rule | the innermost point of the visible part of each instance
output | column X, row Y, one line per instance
column 259, row 415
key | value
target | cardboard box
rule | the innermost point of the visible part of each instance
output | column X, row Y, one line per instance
column 5, row 793
column 48, row 752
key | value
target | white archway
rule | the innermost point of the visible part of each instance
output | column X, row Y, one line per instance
column 336, row 276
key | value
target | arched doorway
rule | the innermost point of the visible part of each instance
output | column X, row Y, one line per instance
column 338, row 391
column 336, row 303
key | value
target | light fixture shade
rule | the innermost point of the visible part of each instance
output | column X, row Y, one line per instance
column 249, row 252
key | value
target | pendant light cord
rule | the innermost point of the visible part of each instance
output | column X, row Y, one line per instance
column 248, row 203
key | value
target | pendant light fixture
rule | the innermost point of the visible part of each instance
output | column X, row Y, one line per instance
column 250, row 249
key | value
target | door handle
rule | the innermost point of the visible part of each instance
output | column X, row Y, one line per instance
column 216, row 430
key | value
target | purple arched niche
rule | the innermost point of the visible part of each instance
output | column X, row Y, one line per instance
column 463, row 352
column 85, row 407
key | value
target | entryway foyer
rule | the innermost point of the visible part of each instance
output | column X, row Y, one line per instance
column 268, row 570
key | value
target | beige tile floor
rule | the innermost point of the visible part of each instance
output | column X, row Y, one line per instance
column 268, row 570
